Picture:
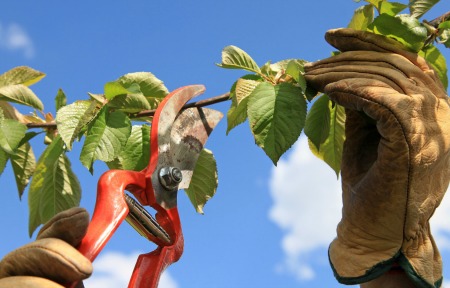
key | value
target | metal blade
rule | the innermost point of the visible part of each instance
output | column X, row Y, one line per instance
column 177, row 138
column 189, row 133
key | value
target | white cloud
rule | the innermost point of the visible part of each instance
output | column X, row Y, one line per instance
column 113, row 270
column 306, row 205
column 14, row 37
column 440, row 224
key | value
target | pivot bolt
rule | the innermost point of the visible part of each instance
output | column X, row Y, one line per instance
column 170, row 177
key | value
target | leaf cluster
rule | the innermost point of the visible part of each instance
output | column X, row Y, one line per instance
column 274, row 97
column 105, row 122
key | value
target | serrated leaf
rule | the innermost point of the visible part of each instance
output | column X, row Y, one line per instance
column 419, row 7
column 71, row 119
column 150, row 86
column 11, row 133
column 283, row 64
column 244, row 87
column 330, row 150
column 435, row 58
column 317, row 126
column 237, row 113
column 23, row 163
column 391, row 8
column 277, row 115
column 114, row 88
column 54, row 187
column 60, row 99
column 11, row 112
column 106, row 137
column 296, row 71
column 100, row 98
column 136, row 153
column 403, row 28
column 266, row 70
column 130, row 103
column 204, row 180
column 20, row 94
column 235, row 58
column 362, row 17
column 444, row 25
column 4, row 157
column 21, row 75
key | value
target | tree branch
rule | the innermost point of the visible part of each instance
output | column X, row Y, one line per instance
column 435, row 22
column 149, row 113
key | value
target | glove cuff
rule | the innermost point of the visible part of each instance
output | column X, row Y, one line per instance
column 371, row 266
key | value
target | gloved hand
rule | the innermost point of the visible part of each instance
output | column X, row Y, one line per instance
column 52, row 258
column 396, row 157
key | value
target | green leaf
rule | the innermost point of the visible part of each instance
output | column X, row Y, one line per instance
column 20, row 94
column 60, row 99
column 419, row 7
column 136, row 153
column 235, row 58
column 100, row 98
column 296, row 71
column 391, row 8
column 106, row 137
column 151, row 87
column 54, row 187
column 113, row 89
column 317, row 126
column 4, row 157
column 71, row 119
column 277, row 116
column 237, row 113
column 23, row 163
column 362, row 17
column 437, row 61
column 244, row 87
column 330, row 150
column 444, row 25
column 403, row 28
column 444, row 36
column 204, row 180
column 11, row 133
column 130, row 103
column 21, row 75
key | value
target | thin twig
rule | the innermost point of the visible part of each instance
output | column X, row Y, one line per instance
column 438, row 20
column 148, row 113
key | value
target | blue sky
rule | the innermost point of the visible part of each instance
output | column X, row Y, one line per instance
column 266, row 226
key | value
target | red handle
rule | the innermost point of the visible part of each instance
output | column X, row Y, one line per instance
column 149, row 267
column 110, row 209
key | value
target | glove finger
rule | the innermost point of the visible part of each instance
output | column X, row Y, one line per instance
column 393, row 69
column 28, row 282
column 70, row 226
column 48, row 258
column 377, row 100
column 347, row 39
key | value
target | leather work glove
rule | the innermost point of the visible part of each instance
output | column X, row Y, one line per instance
column 396, row 156
column 50, row 261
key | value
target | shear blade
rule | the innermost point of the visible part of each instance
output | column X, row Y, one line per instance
column 189, row 133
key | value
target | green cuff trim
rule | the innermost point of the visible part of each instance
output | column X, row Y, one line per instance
column 384, row 266
column 374, row 272
column 412, row 274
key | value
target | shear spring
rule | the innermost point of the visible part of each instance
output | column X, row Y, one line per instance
column 143, row 222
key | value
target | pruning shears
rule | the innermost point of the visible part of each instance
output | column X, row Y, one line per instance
column 176, row 140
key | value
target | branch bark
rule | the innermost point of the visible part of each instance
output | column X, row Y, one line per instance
column 149, row 113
